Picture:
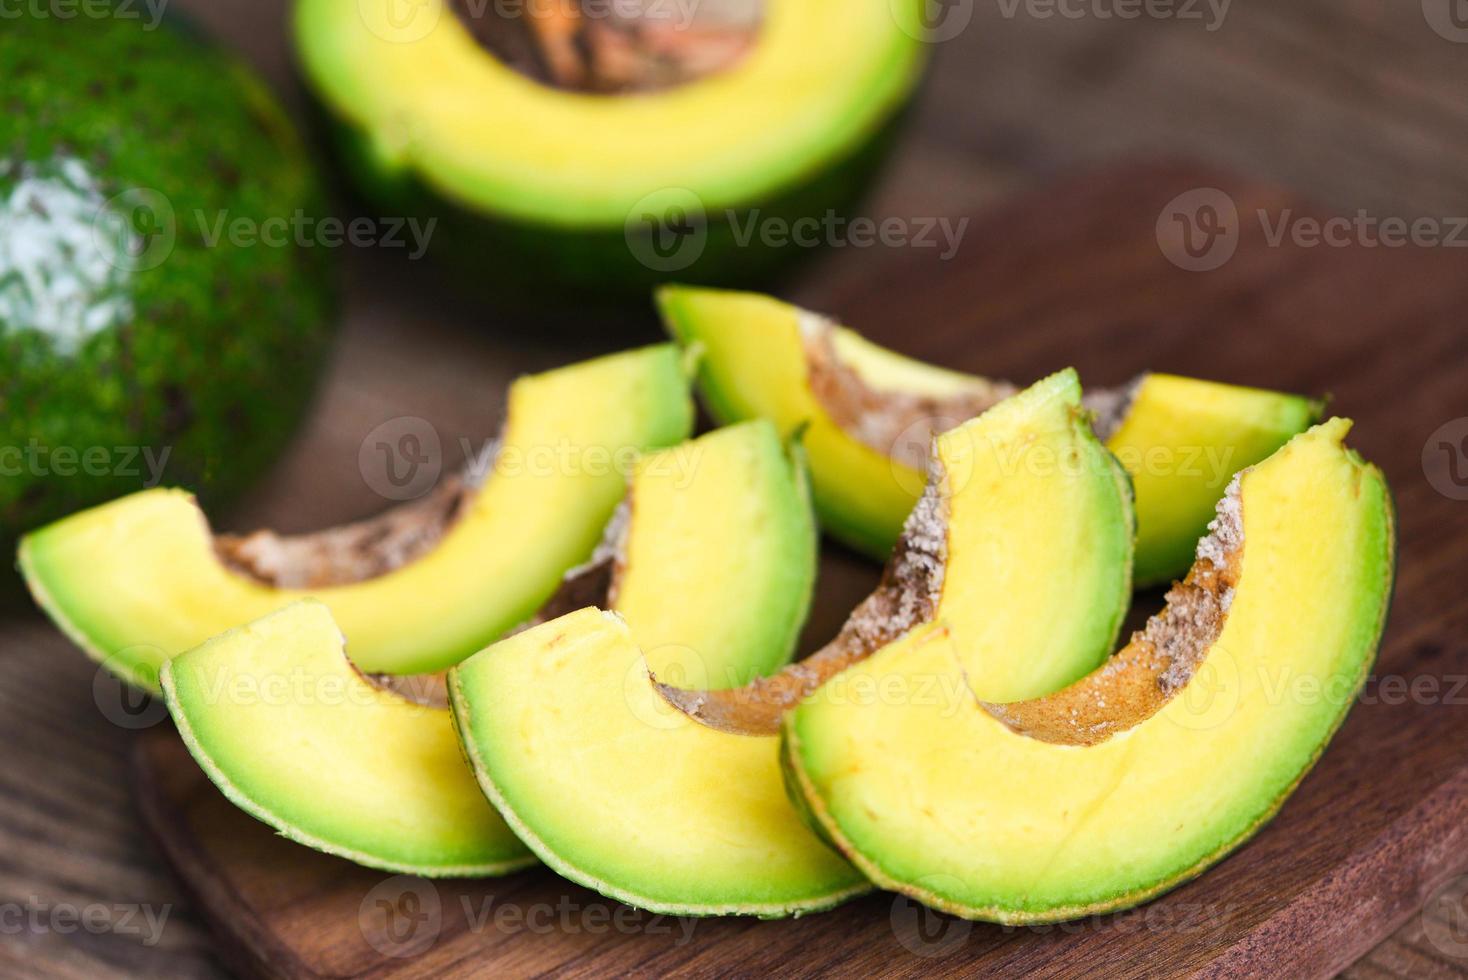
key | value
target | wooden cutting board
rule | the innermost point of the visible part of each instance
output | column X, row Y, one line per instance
column 1081, row 273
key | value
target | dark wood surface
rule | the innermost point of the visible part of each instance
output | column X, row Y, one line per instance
column 1074, row 274
column 1356, row 103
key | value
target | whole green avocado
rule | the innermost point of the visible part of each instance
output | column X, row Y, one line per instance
column 161, row 319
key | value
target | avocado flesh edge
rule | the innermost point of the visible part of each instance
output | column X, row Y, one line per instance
column 1021, row 830
column 857, row 82
column 281, row 722
column 1181, row 439
column 138, row 580
column 602, row 780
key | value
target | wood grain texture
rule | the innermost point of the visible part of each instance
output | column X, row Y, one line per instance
column 1071, row 275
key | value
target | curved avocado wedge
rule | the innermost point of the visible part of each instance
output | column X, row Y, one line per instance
column 870, row 412
column 606, row 783
column 1021, row 547
column 285, row 726
column 1154, row 767
column 140, row 579
column 729, row 113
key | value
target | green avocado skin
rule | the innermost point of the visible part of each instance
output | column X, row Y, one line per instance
column 611, row 270
column 133, row 324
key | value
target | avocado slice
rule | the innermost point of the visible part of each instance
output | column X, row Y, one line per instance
column 385, row 784
column 382, row 782
column 869, row 414
column 1151, row 769
column 603, row 781
column 1007, row 492
column 140, row 579
column 718, row 554
column 546, row 165
column 140, row 339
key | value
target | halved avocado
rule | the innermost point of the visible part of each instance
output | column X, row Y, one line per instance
column 140, row 579
column 870, row 412
column 603, row 781
column 1154, row 767
column 1020, row 548
column 578, row 143
column 286, row 727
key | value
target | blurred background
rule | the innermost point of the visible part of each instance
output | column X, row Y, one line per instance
column 1356, row 105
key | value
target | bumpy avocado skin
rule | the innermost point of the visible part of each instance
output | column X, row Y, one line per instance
column 127, row 326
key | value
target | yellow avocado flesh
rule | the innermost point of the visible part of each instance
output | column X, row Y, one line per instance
column 944, row 802
column 279, row 720
column 1182, row 441
column 607, row 783
column 138, row 580
column 617, row 791
column 719, row 557
column 1025, row 482
column 431, row 100
column 1181, row 438
column 753, row 365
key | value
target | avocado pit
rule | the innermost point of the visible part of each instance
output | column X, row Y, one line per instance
column 612, row 47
